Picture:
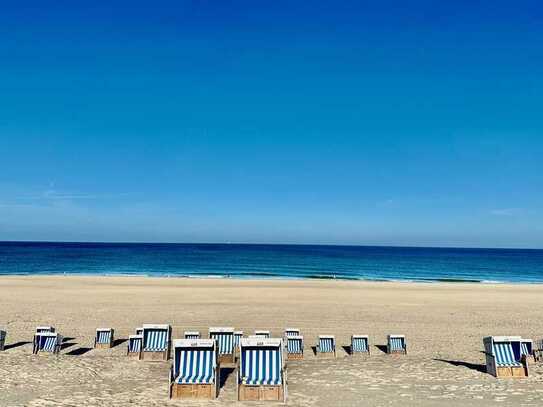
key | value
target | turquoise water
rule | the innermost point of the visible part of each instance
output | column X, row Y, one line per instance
column 274, row 261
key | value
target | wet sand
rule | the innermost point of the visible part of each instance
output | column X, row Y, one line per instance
column 444, row 325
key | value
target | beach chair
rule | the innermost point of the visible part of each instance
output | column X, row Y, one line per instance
column 48, row 342
column 195, row 370
column 326, row 347
column 292, row 332
column 237, row 336
column 538, row 350
column 262, row 371
column 360, row 345
column 3, row 335
column 295, row 347
column 396, row 345
column 134, row 346
column 527, row 349
column 225, row 343
column 192, row 335
column 504, row 357
column 139, row 331
column 44, row 329
column 103, row 338
column 156, row 342
column 262, row 334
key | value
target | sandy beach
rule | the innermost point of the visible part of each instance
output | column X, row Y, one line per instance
column 444, row 325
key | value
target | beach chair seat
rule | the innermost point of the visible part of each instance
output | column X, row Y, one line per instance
column 47, row 342
column 327, row 346
column 156, row 342
column 262, row 370
column 134, row 346
column 295, row 347
column 225, row 344
column 262, row 333
column 104, row 338
column 192, row 335
column 396, row 345
column 504, row 356
column 3, row 335
column 195, row 369
column 360, row 345
column 292, row 332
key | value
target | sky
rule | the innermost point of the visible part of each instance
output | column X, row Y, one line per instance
column 374, row 123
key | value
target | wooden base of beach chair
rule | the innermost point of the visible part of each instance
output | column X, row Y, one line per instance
column 397, row 352
column 260, row 393
column 518, row 371
column 102, row 346
column 134, row 355
column 326, row 355
column 295, row 356
column 194, row 391
column 154, row 355
column 227, row 359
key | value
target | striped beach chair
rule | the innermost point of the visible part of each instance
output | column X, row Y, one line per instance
column 527, row 349
column 326, row 346
column 504, row 356
column 360, row 345
column 48, row 342
column 103, row 338
column 134, row 346
column 44, row 329
column 3, row 335
column 195, row 370
column 192, row 335
column 237, row 336
column 292, row 332
column 156, row 342
column 225, row 343
column 295, row 347
column 262, row 371
column 396, row 345
column 262, row 334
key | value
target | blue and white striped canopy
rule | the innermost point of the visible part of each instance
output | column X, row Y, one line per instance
column 503, row 351
column 195, row 366
column 359, row 344
column 103, row 336
column 526, row 348
column 155, row 340
column 47, row 343
column 261, row 366
column 292, row 332
column 396, row 343
column 295, row 344
column 134, row 345
column 225, row 341
column 262, row 334
column 237, row 336
column 326, row 345
column 192, row 335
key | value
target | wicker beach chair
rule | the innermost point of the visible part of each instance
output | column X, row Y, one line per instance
column 504, row 356
column 262, row 333
column 192, row 335
column 48, row 342
column 327, row 346
column 295, row 347
column 292, row 332
column 262, row 371
column 134, row 346
column 360, row 345
column 3, row 335
column 103, row 338
column 538, row 350
column 195, row 370
column 156, row 342
column 396, row 345
column 225, row 342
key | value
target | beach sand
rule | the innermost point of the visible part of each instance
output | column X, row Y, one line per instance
column 444, row 325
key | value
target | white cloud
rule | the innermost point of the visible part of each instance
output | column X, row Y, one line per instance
column 506, row 211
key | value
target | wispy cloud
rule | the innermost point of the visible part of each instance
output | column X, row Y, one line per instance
column 506, row 211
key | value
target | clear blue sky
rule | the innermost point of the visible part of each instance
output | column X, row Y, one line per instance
column 404, row 123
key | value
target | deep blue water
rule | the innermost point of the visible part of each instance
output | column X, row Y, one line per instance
column 291, row 261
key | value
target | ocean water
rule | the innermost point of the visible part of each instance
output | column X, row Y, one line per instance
column 274, row 261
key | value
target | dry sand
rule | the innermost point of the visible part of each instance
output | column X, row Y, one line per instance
column 444, row 325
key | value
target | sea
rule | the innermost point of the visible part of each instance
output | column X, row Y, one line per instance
column 373, row 263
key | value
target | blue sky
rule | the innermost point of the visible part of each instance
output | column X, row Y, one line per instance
column 281, row 122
